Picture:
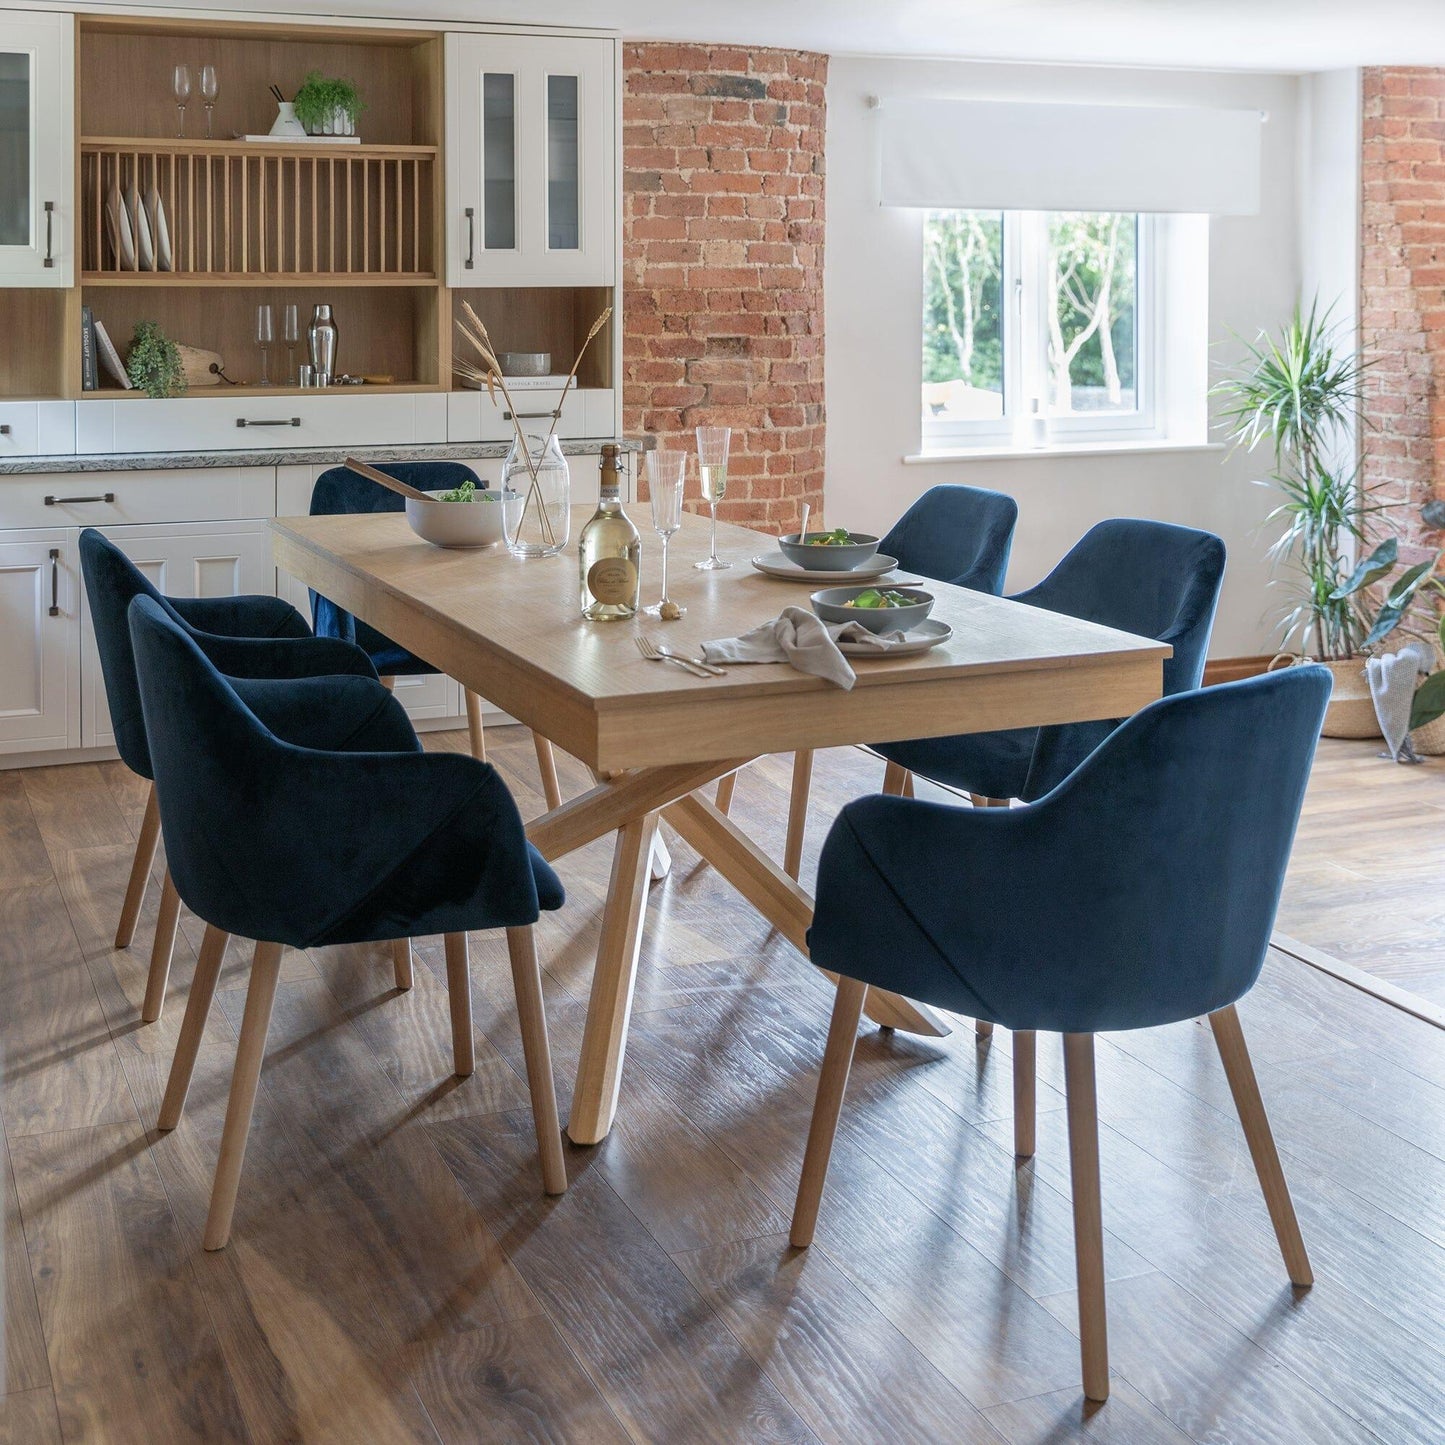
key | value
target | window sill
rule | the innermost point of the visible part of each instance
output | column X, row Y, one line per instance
column 1060, row 449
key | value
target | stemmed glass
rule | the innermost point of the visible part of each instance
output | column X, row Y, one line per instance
column 290, row 334
column 665, row 474
column 265, row 335
column 182, row 83
column 210, row 89
column 712, row 464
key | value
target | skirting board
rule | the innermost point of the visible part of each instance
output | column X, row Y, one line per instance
column 1380, row 988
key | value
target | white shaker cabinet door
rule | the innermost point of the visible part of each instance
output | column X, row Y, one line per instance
column 39, row 641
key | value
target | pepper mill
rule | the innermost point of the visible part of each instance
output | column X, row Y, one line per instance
column 321, row 340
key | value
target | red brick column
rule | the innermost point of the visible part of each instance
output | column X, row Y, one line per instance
column 1402, row 294
column 723, row 264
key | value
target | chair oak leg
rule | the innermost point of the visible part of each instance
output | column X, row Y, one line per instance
column 1088, row 1211
column 401, row 963
column 1025, row 1091
column 798, row 811
column 459, row 995
column 723, row 799
column 832, row 1081
column 1234, row 1054
column 896, row 780
column 161, row 950
column 140, row 870
column 260, row 995
column 475, row 736
column 547, row 767
column 193, row 1026
column 389, row 683
column 527, row 984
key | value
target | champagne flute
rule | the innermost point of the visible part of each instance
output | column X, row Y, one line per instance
column 291, row 335
column 265, row 335
column 181, row 82
column 665, row 474
column 210, row 89
column 712, row 465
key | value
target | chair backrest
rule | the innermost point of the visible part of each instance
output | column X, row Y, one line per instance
column 956, row 534
column 1153, row 579
column 112, row 580
column 340, row 491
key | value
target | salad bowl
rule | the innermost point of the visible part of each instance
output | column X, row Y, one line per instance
column 879, row 609
column 828, row 551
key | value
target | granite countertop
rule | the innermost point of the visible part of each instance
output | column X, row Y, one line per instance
column 280, row 457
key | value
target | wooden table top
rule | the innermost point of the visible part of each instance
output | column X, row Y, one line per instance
column 511, row 630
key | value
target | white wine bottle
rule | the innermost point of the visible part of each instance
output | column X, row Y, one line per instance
column 609, row 552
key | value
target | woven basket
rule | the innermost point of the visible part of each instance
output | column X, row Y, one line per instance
column 1351, row 713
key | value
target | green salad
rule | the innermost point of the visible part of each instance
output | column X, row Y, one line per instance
column 838, row 537
column 873, row 599
column 467, row 492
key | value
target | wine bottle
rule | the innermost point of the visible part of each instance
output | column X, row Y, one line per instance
column 609, row 552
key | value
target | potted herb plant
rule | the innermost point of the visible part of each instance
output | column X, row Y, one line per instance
column 154, row 362
column 328, row 106
column 1299, row 393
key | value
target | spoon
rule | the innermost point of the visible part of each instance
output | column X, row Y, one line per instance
column 402, row 489
column 803, row 525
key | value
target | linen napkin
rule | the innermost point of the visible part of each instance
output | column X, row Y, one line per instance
column 1392, row 687
column 801, row 639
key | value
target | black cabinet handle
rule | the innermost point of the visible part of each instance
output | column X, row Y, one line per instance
column 4, row 429
column 529, row 415
column 55, row 581
column 50, row 233
column 242, row 421
column 471, row 216
column 72, row 501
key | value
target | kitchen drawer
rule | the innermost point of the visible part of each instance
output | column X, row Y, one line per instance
column 108, row 499
column 37, row 428
column 255, row 423
column 473, row 417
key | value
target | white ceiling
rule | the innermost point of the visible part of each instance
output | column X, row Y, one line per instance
column 1230, row 34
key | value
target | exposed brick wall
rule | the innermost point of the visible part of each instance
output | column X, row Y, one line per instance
column 1402, row 293
column 723, row 264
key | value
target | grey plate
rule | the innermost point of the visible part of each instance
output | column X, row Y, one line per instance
column 776, row 565
column 929, row 633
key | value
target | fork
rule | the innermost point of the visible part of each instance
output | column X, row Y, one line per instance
column 702, row 662
column 653, row 653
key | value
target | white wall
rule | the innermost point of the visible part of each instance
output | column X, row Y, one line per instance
column 874, row 300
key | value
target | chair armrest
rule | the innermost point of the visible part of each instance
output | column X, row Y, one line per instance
column 247, row 616
column 332, row 714
column 284, row 657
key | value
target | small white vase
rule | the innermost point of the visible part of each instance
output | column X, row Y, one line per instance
column 286, row 122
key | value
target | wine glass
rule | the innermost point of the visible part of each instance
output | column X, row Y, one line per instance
column 182, row 84
column 290, row 334
column 665, row 474
column 712, row 465
column 265, row 335
column 210, row 89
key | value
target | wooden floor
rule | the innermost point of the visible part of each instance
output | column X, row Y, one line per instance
column 396, row 1275
column 1365, row 881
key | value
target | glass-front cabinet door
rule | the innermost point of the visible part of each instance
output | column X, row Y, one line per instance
column 531, row 157
column 37, row 111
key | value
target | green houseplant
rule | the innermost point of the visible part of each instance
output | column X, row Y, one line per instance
column 154, row 362
column 328, row 105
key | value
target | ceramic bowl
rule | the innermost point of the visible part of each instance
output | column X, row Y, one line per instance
column 525, row 363
column 828, row 559
column 830, row 605
column 477, row 523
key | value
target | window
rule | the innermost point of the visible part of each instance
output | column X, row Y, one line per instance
column 1037, row 322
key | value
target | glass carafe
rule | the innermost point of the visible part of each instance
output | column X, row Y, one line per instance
column 537, row 497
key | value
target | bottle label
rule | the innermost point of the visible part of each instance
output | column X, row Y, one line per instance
column 612, row 581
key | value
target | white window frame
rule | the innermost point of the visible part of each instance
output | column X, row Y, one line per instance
column 1025, row 366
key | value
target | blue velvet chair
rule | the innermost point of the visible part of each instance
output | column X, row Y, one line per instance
column 275, row 837
column 956, row 534
column 1140, row 891
column 255, row 637
column 340, row 491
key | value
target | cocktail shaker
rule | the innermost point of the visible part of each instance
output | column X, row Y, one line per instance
column 321, row 338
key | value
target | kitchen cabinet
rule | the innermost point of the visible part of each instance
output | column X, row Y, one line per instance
column 39, row 640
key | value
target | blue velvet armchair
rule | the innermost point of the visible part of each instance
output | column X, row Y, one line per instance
column 1140, row 891
column 339, row 491
column 253, row 637
column 275, row 835
column 956, row 534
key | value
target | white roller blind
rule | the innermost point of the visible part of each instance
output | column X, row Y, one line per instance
column 1004, row 155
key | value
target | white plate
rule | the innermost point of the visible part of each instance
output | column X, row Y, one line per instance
column 929, row 633
column 160, row 231
column 776, row 565
column 118, row 223
column 140, row 228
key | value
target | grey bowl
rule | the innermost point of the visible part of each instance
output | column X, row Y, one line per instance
column 828, row 559
column 525, row 363
column 829, row 604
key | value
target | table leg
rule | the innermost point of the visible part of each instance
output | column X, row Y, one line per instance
column 604, row 1039
column 660, row 863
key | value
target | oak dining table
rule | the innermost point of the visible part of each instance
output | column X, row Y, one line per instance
column 653, row 734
